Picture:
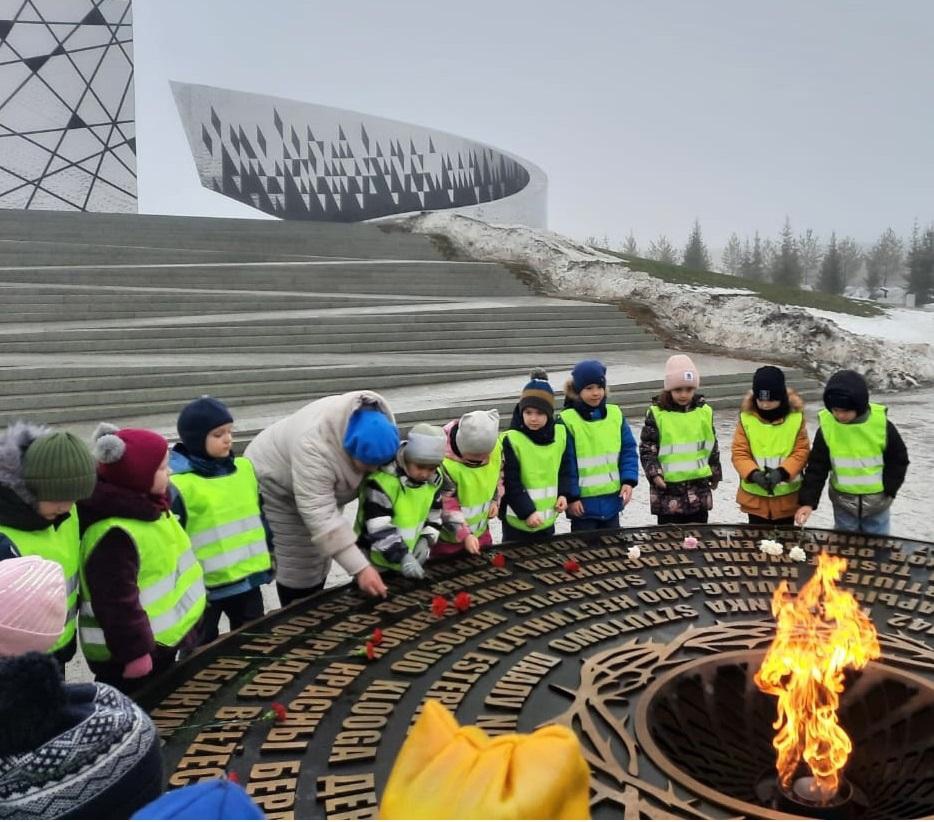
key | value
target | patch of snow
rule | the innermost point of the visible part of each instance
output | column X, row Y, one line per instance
column 735, row 320
column 907, row 325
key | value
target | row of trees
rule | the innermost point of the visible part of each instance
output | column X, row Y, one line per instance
column 803, row 260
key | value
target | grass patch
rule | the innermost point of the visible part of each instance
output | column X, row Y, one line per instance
column 782, row 295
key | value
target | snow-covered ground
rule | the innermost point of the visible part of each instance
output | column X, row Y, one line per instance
column 893, row 352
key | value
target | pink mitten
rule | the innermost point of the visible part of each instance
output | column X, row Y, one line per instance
column 138, row 667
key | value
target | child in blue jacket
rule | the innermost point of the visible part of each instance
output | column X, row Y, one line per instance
column 605, row 449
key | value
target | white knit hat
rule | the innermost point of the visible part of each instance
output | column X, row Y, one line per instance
column 425, row 444
column 477, row 432
column 33, row 604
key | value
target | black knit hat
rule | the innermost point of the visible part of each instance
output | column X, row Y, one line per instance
column 768, row 383
column 198, row 419
column 847, row 390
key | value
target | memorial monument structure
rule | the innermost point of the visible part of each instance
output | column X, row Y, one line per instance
column 648, row 648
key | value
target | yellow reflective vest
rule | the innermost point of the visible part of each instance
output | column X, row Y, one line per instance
column 539, row 468
column 856, row 451
column 224, row 524
column 170, row 581
column 685, row 442
column 476, row 490
column 597, row 445
column 770, row 446
column 59, row 545
column 411, row 506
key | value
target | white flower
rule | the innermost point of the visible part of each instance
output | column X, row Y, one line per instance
column 797, row 553
column 771, row 547
column 634, row 552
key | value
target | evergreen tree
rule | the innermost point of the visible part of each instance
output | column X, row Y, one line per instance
column 745, row 265
column 786, row 268
column 662, row 250
column 831, row 270
column 756, row 267
column 695, row 252
column 809, row 251
column 921, row 268
column 732, row 259
column 631, row 246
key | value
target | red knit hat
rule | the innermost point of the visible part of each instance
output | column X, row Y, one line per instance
column 128, row 457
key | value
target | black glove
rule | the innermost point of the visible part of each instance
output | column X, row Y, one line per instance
column 776, row 476
column 760, row 478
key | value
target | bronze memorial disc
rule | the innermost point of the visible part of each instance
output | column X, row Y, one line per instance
column 649, row 661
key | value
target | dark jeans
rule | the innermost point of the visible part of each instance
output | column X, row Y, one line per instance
column 754, row 520
column 511, row 534
column 586, row 524
column 682, row 519
column 287, row 595
column 240, row 608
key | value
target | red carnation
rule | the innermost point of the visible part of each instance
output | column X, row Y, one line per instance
column 439, row 605
column 499, row 560
column 370, row 650
column 462, row 601
column 232, row 777
column 377, row 638
column 280, row 712
column 571, row 565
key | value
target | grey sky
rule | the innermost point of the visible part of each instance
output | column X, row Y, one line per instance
column 643, row 114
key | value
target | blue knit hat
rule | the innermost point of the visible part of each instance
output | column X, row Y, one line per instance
column 371, row 436
column 212, row 799
column 588, row 372
column 198, row 419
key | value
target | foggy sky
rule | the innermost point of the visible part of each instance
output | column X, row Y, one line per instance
column 643, row 115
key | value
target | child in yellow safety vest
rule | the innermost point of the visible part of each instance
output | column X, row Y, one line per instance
column 216, row 498
column 142, row 589
column 399, row 514
column 42, row 474
column 860, row 448
column 539, row 466
column 678, row 447
column 770, row 449
column 473, row 463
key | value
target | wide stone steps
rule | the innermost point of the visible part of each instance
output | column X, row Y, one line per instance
column 61, row 238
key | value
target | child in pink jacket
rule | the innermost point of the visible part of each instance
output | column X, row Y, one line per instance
column 472, row 463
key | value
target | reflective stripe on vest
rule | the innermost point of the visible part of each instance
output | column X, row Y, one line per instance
column 856, row 451
column 224, row 525
column 597, row 444
column 170, row 581
column 476, row 489
column 410, row 509
column 686, row 439
column 58, row 545
column 539, row 466
column 770, row 446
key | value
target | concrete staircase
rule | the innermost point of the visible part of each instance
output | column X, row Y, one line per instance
column 127, row 317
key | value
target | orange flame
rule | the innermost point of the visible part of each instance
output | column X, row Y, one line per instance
column 820, row 632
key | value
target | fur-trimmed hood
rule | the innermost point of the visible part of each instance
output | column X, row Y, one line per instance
column 13, row 444
column 795, row 402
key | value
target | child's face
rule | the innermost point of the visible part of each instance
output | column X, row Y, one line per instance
column 533, row 419
column 593, row 394
column 843, row 415
column 51, row 510
column 419, row 471
column 768, row 405
column 474, row 459
column 219, row 441
column 683, row 395
column 160, row 480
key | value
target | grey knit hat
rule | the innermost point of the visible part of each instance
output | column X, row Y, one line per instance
column 425, row 444
column 477, row 432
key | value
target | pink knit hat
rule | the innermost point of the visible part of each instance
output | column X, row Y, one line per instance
column 680, row 372
column 33, row 604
